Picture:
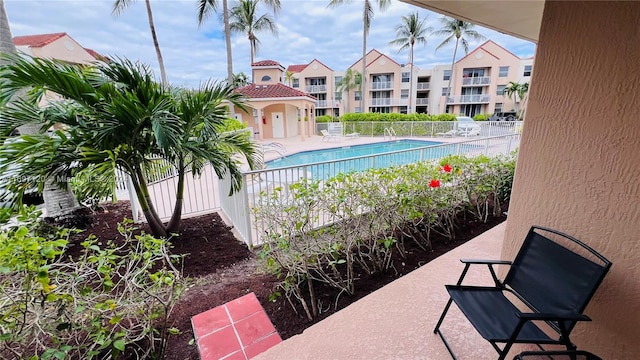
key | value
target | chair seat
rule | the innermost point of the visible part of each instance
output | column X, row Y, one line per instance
column 493, row 315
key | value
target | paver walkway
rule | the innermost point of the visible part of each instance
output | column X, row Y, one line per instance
column 237, row 330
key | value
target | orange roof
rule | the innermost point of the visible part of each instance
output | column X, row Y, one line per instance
column 278, row 90
column 297, row 68
column 37, row 40
column 266, row 63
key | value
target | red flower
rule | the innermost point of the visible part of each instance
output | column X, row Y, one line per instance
column 446, row 168
column 434, row 183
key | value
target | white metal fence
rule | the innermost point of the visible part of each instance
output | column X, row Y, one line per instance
column 259, row 186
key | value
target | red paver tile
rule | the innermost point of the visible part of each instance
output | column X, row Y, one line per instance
column 262, row 345
column 238, row 355
column 218, row 344
column 244, row 306
column 253, row 328
column 210, row 321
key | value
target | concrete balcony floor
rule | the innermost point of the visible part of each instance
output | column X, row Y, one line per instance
column 397, row 321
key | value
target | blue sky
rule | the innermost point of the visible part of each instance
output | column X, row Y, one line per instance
column 192, row 54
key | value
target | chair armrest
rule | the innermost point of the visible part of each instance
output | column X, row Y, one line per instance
column 480, row 261
column 468, row 262
column 554, row 317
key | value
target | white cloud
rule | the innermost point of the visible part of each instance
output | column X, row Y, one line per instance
column 307, row 29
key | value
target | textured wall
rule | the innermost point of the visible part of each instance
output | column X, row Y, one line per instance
column 579, row 164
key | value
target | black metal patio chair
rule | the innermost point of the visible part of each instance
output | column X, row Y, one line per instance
column 554, row 280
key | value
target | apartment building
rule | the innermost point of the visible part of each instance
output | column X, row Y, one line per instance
column 477, row 81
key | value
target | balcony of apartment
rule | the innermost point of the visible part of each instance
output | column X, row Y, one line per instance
column 316, row 88
column 323, row 104
column 422, row 101
column 475, row 81
column 381, row 85
column 389, row 102
column 397, row 321
column 469, row 99
column 423, row 86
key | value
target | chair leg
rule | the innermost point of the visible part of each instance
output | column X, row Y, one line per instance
column 446, row 308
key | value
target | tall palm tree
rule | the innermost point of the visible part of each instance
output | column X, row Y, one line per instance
column 245, row 20
column 517, row 91
column 351, row 80
column 206, row 7
column 411, row 30
column 462, row 32
column 288, row 77
column 58, row 201
column 367, row 17
column 118, row 8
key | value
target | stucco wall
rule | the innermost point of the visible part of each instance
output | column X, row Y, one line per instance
column 65, row 49
column 579, row 164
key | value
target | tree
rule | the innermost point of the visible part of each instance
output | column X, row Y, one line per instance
column 367, row 17
column 118, row 8
column 245, row 20
column 116, row 115
column 517, row 91
column 240, row 79
column 350, row 81
column 460, row 31
column 206, row 7
column 288, row 77
column 411, row 30
column 59, row 200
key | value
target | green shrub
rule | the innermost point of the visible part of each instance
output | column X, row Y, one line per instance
column 108, row 300
column 445, row 117
column 324, row 119
column 482, row 117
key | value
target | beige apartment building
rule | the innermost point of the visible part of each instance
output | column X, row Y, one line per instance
column 478, row 84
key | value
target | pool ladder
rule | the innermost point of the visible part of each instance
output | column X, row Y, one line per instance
column 390, row 132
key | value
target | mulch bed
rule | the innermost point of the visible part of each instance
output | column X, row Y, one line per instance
column 223, row 269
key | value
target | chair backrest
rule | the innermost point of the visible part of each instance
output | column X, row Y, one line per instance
column 552, row 278
column 324, row 132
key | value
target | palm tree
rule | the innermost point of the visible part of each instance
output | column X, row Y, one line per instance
column 367, row 17
column 517, row 91
column 245, row 20
column 116, row 114
column 288, row 77
column 350, row 81
column 59, row 201
column 411, row 30
column 118, row 8
column 240, row 79
column 206, row 7
column 460, row 31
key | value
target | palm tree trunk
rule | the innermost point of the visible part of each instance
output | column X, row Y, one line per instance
column 176, row 216
column 163, row 73
column 410, row 80
column 363, row 77
column 453, row 61
column 227, row 36
column 156, row 226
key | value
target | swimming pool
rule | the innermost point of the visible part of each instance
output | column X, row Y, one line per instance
column 326, row 163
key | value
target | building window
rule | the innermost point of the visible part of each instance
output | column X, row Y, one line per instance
column 380, row 109
column 447, row 75
column 527, row 70
column 445, row 91
column 405, row 77
column 266, row 78
column 403, row 109
column 498, row 108
column 337, row 80
column 500, row 90
column 358, row 109
column 504, row 71
column 404, row 94
column 337, row 96
column 357, row 95
column 296, row 83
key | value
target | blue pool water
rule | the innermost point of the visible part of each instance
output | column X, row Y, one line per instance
column 378, row 155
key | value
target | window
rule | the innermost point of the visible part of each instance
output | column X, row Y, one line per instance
column 447, row 75
column 403, row 109
column 266, row 78
column 380, row 109
column 337, row 96
column 445, row 91
column 357, row 95
column 405, row 77
column 500, row 90
column 404, row 94
column 358, row 109
column 498, row 108
column 296, row 83
column 337, row 80
column 527, row 70
column 504, row 71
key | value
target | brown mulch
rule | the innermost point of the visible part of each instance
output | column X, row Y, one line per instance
column 223, row 268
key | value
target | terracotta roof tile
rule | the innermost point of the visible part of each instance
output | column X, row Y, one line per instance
column 37, row 40
column 279, row 90
column 297, row 68
column 97, row 55
column 266, row 63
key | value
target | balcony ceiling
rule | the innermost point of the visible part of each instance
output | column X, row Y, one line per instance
column 519, row 18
